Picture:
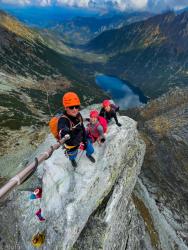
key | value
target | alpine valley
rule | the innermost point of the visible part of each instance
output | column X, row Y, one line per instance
column 135, row 196
column 33, row 75
column 152, row 54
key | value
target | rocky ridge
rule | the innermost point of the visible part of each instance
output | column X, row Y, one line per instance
column 72, row 197
column 162, row 187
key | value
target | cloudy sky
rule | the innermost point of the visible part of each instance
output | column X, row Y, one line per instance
column 154, row 5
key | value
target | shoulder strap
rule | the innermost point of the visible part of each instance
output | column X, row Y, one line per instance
column 80, row 118
column 71, row 123
column 97, row 124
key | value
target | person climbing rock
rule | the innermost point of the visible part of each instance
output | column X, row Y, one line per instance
column 96, row 127
column 108, row 111
column 38, row 239
column 71, row 122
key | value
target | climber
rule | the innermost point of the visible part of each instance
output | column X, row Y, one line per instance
column 108, row 111
column 71, row 122
column 38, row 239
column 97, row 127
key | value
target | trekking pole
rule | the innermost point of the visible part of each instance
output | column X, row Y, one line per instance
column 29, row 170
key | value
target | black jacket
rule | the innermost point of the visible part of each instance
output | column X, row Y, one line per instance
column 109, row 115
column 74, row 127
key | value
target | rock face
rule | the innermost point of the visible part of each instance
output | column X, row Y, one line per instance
column 115, row 224
column 159, row 220
column 163, row 187
column 74, row 199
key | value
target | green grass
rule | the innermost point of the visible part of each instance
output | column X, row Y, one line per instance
column 13, row 101
column 17, row 120
column 18, row 114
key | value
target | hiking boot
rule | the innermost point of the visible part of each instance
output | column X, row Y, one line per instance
column 74, row 163
column 91, row 158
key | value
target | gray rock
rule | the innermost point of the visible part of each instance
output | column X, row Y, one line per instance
column 70, row 197
column 164, row 190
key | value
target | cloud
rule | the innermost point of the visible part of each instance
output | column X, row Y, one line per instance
column 18, row 2
column 152, row 5
column 130, row 4
column 159, row 5
column 81, row 3
column 28, row 2
column 45, row 2
column 41, row 2
column 120, row 4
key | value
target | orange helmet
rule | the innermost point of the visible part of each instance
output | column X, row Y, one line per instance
column 94, row 113
column 70, row 99
column 106, row 103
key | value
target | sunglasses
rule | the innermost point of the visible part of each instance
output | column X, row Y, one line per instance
column 74, row 107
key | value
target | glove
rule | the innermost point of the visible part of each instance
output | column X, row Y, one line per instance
column 103, row 140
column 118, row 124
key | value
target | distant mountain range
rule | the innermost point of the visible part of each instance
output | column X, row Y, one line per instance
column 45, row 17
column 152, row 54
column 80, row 30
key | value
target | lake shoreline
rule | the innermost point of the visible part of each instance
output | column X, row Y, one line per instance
column 136, row 90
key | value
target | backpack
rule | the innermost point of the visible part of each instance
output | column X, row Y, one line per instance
column 103, row 123
column 53, row 124
column 114, row 107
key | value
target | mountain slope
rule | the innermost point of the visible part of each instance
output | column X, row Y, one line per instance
column 152, row 54
column 81, row 29
column 163, row 125
column 24, row 52
column 34, row 76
